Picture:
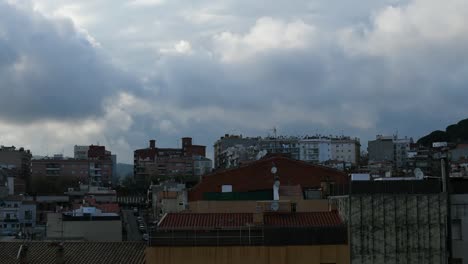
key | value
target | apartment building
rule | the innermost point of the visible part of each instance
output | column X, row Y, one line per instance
column 96, row 169
column 20, row 160
column 390, row 148
column 232, row 151
column 187, row 162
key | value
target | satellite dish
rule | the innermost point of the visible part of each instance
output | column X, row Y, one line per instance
column 274, row 206
column 418, row 173
column 274, row 170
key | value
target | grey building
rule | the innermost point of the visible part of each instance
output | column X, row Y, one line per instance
column 381, row 149
column 389, row 148
column 459, row 211
column 395, row 222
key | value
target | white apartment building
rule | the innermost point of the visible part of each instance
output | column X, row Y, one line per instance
column 345, row 149
column 315, row 150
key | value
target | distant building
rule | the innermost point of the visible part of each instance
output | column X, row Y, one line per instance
column 80, row 152
column 226, row 142
column 96, row 169
column 21, row 160
column 391, row 149
column 168, row 197
column 460, row 152
column 85, row 223
column 232, row 151
column 169, row 163
column 346, row 149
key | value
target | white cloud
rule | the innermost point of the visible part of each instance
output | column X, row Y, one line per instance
column 418, row 26
column 267, row 34
column 181, row 47
column 145, row 2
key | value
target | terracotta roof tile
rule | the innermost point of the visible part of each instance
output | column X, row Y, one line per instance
column 206, row 220
column 308, row 219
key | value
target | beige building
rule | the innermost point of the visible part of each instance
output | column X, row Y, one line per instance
column 86, row 223
column 310, row 254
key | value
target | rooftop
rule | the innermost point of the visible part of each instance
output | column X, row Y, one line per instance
column 207, row 221
column 76, row 252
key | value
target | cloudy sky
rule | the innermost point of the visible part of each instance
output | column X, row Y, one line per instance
column 120, row 72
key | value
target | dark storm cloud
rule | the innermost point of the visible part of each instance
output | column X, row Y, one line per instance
column 49, row 70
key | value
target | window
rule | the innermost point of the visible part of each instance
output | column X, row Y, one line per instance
column 456, row 229
column 226, row 188
column 28, row 215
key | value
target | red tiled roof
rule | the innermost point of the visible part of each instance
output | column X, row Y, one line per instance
column 186, row 221
column 257, row 176
column 207, row 220
column 308, row 219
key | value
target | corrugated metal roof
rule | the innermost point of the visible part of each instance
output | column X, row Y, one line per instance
column 76, row 252
column 206, row 220
column 308, row 219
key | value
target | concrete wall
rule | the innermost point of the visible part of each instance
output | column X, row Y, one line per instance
column 102, row 231
column 338, row 254
column 251, row 206
column 460, row 212
column 396, row 228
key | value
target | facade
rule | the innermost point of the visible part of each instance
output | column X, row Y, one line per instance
column 169, row 163
column 228, row 141
column 396, row 221
column 346, row 149
column 262, row 237
column 233, row 151
column 381, row 149
column 96, row 169
column 85, row 223
column 17, row 215
column 316, row 150
column 19, row 159
column 202, row 166
column 391, row 149
column 168, row 197
column 459, row 211
column 80, row 152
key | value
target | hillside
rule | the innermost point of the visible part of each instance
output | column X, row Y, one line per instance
column 454, row 133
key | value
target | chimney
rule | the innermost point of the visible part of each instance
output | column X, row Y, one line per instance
column 186, row 142
column 152, row 143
